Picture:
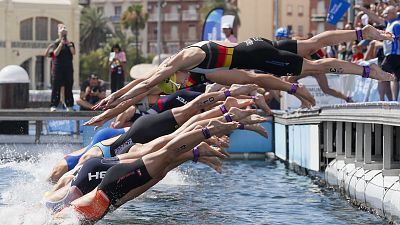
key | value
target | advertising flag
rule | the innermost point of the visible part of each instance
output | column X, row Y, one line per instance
column 212, row 25
column 337, row 9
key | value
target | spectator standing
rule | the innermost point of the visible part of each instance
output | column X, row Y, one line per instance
column 63, row 51
column 117, row 62
column 92, row 91
column 228, row 31
column 391, row 49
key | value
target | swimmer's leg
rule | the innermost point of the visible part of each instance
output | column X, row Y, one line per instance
column 265, row 81
column 331, row 65
column 333, row 37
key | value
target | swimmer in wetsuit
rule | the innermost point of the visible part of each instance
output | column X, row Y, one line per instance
column 163, row 103
column 221, row 62
column 70, row 160
column 92, row 171
column 126, row 181
column 142, row 131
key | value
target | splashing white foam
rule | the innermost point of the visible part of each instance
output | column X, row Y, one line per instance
column 22, row 193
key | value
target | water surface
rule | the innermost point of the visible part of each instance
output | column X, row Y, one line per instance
column 248, row 192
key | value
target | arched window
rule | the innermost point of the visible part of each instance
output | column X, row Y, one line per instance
column 41, row 29
column 25, row 29
column 54, row 29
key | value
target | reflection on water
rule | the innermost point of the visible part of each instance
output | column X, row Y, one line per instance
column 248, row 192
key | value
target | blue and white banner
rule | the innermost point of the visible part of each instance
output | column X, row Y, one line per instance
column 61, row 126
column 337, row 9
column 212, row 25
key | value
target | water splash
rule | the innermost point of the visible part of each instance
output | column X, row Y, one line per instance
column 21, row 196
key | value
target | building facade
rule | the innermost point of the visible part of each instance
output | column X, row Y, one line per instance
column 27, row 27
column 261, row 18
column 180, row 24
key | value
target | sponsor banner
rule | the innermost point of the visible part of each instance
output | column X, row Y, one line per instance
column 292, row 102
column 61, row 126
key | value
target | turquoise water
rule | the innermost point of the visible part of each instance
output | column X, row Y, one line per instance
column 248, row 192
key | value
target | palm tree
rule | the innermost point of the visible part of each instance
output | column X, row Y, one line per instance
column 229, row 9
column 93, row 29
column 134, row 18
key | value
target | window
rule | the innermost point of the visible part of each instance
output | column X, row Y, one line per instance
column 25, row 29
column 192, row 32
column 153, row 48
column 100, row 10
column 173, row 47
column 41, row 29
column 290, row 29
column 289, row 10
column 54, row 29
column 117, row 10
column 300, row 10
column 174, row 33
column 300, row 30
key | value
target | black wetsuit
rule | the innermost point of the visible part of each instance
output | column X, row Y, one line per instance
column 278, row 58
column 167, row 102
column 122, row 178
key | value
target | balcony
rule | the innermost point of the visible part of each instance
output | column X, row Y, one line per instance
column 171, row 17
column 318, row 18
column 171, row 37
column 190, row 15
column 153, row 17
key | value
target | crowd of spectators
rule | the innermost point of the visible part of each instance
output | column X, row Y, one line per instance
column 384, row 15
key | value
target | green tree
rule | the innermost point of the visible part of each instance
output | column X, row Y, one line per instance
column 93, row 29
column 94, row 62
column 134, row 18
column 229, row 9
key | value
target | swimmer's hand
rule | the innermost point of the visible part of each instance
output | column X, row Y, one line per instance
column 253, row 119
column 238, row 103
column 97, row 121
column 212, row 162
column 104, row 102
column 257, row 128
column 237, row 89
column 238, row 114
column 219, row 128
column 114, row 103
column 219, row 142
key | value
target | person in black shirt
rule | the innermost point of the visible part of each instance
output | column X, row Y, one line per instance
column 63, row 51
column 92, row 91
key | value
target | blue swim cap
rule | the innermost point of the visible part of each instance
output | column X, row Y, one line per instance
column 282, row 32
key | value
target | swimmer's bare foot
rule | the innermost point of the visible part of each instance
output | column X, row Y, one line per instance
column 303, row 92
column 207, row 150
column 212, row 162
column 305, row 104
column 371, row 33
column 378, row 74
column 257, row 128
column 238, row 114
column 259, row 100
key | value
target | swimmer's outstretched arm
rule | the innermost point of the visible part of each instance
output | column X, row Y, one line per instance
column 183, row 60
column 99, row 120
column 117, row 94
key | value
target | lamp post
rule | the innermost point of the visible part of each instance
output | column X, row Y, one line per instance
column 159, row 31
